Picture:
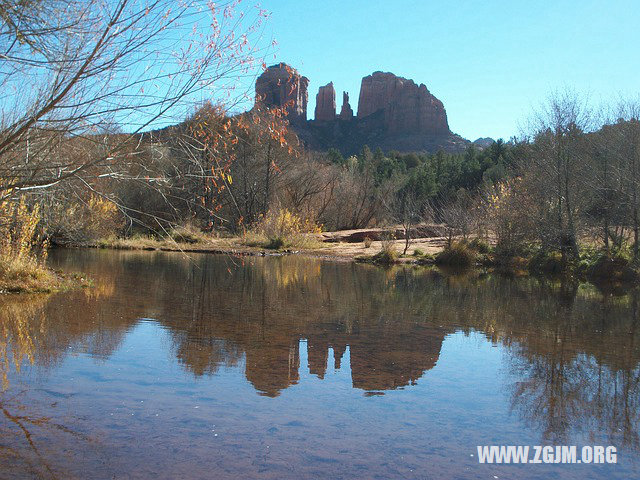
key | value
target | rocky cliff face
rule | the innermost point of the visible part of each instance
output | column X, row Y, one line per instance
column 394, row 113
column 282, row 86
column 346, row 112
column 408, row 108
column 326, row 103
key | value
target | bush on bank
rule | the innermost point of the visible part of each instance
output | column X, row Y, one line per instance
column 281, row 228
column 457, row 254
column 23, row 252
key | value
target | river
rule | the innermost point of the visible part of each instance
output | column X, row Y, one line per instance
column 215, row 367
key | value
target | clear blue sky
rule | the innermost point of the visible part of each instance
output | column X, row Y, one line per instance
column 490, row 62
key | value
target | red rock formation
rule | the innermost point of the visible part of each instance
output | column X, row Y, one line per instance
column 346, row 112
column 393, row 114
column 326, row 103
column 408, row 108
column 282, row 86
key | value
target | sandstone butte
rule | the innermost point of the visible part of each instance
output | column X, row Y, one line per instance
column 326, row 103
column 282, row 86
column 393, row 113
column 346, row 112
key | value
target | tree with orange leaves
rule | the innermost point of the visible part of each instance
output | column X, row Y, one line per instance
column 239, row 159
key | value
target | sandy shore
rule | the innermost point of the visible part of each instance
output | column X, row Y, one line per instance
column 325, row 247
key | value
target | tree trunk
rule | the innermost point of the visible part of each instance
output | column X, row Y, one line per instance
column 265, row 205
column 634, row 189
column 407, row 238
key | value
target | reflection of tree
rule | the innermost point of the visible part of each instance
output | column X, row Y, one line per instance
column 40, row 329
column 574, row 351
column 32, row 440
column 20, row 319
column 22, row 325
column 566, row 388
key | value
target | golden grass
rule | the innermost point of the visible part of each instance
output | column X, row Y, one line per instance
column 281, row 229
column 20, row 275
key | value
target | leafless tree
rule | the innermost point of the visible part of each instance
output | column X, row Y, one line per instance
column 75, row 72
column 629, row 134
column 556, row 167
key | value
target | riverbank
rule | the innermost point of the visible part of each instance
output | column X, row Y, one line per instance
column 371, row 246
column 374, row 246
column 29, row 276
column 337, row 245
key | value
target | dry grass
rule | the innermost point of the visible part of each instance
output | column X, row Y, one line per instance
column 23, row 252
column 282, row 229
column 428, row 246
column 253, row 242
column 136, row 242
column 19, row 275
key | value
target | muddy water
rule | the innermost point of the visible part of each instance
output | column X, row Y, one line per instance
column 288, row 368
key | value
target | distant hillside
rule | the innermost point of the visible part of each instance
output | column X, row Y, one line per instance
column 483, row 142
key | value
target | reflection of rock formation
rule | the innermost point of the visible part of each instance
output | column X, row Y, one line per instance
column 318, row 354
column 393, row 324
column 273, row 367
column 381, row 358
column 574, row 354
column 377, row 365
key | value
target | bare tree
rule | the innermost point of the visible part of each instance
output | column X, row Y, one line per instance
column 556, row 168
column 72, row 71
column 629, row 129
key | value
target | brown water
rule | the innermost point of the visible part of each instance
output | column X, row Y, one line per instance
column 289, row 368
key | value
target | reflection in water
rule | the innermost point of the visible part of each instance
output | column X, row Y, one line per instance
column 22, row 327
column 570, row 356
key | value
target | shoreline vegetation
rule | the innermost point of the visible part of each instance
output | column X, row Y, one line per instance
column 23, row 254
column 19, row 276
column 379, row 247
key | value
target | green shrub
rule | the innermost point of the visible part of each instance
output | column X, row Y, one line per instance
column 418, row 253
column 385, row 257
column 458, row 254
column 547, row 261
column 275, row 243
column 426, row 259
column 387, row 254
column 479, row 245
column 611, row 267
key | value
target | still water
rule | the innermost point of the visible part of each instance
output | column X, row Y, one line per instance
column 211, row 367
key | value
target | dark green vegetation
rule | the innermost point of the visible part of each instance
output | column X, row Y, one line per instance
column 441, row 177
column 458, row 254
